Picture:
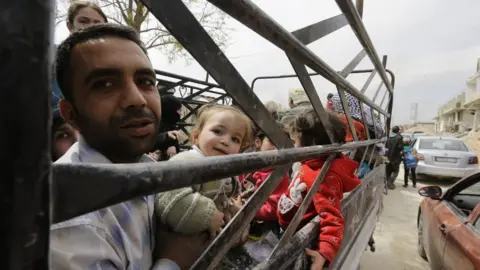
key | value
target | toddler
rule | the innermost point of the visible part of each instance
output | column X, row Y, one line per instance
column 220, row 130
column 306, row 130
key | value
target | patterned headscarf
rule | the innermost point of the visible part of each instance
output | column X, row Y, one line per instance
column 354, row 107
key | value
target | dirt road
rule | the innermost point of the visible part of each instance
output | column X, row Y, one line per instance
column 396, row 232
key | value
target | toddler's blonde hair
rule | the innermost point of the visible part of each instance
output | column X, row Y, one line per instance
column 206, row 111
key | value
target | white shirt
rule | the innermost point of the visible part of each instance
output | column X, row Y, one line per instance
column 117, row 237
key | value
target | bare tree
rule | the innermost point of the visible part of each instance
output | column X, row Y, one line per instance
column 154, row 34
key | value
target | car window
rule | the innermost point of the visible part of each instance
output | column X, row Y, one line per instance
column 471, row 190
column 442, row 144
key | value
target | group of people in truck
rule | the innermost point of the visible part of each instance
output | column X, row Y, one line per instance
column 110, row 111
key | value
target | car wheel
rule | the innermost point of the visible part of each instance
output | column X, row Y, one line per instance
column 420, row 245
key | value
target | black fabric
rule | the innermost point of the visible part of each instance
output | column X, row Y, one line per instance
column 170, row 116
column 395, row 147
column 391, row 172
column 407, row 173
column 163, row 142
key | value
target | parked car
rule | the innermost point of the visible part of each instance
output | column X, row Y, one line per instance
column 444, row 157
column 419, row 134
column 449, row 225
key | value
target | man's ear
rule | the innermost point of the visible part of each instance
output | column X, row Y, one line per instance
column 69, row 26
column 67, row 111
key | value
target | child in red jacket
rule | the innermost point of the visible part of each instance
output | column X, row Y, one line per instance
column 307, row 130
column 265, row 221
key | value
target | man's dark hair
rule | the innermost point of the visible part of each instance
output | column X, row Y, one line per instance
column 63, row 61
column 329, row 96
column 395, row 129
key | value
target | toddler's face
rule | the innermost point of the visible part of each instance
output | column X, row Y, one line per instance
column 222, row 134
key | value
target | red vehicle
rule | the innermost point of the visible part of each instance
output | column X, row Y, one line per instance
column 449, row 225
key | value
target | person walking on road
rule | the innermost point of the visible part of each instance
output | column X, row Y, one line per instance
column 409, row 163
column 395, row 151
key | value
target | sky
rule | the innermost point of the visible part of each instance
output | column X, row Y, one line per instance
column 432, row 47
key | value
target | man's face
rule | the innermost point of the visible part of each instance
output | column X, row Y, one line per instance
column 116, row 103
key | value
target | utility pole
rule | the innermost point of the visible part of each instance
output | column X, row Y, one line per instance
column 414, row 113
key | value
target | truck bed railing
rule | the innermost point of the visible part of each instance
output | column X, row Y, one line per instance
column 36, row 193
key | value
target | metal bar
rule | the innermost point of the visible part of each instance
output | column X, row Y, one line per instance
column 180, row 77
column 369, row 80
column 311, row 92
column 390, row 108
column 371, row 155
column 383, row 98
column 215, row 252
column 351, row 66
column 359, row 7
column 121, row 182
column 346, row 109
column 344, row 73
column 384, row 63
column 196, row 102
column 199, row 92
column 173, row 85
column 361, row 161
column 378, row 91
column 307, row 35
column 320, row 29
column 292, row 227
column 26, row 34
column 317, row 74
column 253, row 17
column 348, row 9
column 181, row 23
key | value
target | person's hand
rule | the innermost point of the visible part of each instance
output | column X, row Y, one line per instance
column 174, row 134
column 171, row 151
column 237, row 204
column 182, row 249
column 155, row 155
column 317, row 260
column 217, row 223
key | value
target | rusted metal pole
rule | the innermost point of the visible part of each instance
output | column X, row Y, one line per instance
column 26, row 33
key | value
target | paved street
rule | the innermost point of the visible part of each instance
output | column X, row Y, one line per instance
column 396, row 232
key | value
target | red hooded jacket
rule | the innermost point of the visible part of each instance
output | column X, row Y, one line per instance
column 268, row 211
column 326, row 202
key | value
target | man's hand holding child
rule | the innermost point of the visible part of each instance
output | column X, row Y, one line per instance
column 217, row 223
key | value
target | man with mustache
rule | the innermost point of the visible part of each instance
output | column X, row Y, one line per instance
column 110, row 97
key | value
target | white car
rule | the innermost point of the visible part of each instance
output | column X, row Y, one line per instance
column 444, row 157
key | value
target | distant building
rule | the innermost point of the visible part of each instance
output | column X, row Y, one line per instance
column 460, row 113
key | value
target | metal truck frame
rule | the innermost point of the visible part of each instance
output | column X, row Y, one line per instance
column 36, row 194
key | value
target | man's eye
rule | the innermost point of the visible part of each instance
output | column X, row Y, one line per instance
column 146, row 81
column 102, row 84
column 61, row 135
